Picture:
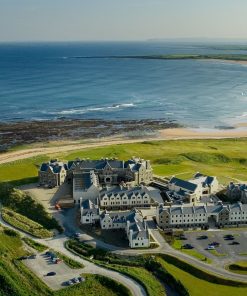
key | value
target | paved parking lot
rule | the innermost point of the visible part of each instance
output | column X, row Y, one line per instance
column 42, row 265
column 225, row 248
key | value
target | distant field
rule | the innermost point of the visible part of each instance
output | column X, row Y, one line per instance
column 225, row 158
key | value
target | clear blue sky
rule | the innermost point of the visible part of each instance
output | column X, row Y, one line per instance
column 53, row 20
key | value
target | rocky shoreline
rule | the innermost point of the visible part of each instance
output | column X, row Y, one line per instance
column 18, row 133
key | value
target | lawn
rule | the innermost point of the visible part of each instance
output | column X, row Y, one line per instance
column 95, row 285
column 140, row 274
column 225, row 158
column 198, row 287
column 23, row 223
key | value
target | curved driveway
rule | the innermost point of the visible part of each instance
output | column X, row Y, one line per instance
column 57, row 244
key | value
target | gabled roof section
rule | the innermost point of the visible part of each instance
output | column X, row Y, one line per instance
column 183, row 184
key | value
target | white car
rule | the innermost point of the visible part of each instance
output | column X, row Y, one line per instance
column 210, row 248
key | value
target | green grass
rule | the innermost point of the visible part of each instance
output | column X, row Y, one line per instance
column 35, row 245
column 25, row 205
column 17, row 280
column 95, row 285
column 198, row 287
column 225, row 158
column 239, row 267
column 216, row 253
column 21, row 171
column 140, row 274
column 23, row 223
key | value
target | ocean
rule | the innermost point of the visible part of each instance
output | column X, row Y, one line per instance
column 45, row 81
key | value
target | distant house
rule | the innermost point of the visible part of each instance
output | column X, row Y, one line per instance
column 90, row 212
column 193, row 189
column 52, row 173
column 237, row 192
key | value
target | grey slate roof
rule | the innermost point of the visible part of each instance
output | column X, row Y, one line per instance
column 89, row 208
column 55, row 166
column 183, row 184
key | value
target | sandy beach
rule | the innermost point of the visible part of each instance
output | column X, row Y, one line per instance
column 186, row 133
column 53, row 147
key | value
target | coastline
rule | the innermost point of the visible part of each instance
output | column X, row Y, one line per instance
column 58, row 146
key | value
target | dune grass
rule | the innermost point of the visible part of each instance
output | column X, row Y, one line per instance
column 225, row 158
column 23, row 223
column 198, row 287
column 35, row 245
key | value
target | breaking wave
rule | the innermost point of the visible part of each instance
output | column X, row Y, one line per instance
column 75, row 111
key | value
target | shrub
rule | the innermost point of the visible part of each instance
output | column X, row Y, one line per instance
column 11, row 232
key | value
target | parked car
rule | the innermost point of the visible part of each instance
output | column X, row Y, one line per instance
column 187, row 246
column 75, row 280
column 203, row 237
column 81, row 279
column 69, row 283
column 182, row 237
column 210, row 247
column 51, row 273
column 235, row 243
column 215, row 244
column 23, row 258
column 32, row 256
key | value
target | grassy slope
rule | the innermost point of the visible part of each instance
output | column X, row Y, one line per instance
column 198, row 287
column 225, row 158
column 23, row 223
column 140, row 274
column 17, row 280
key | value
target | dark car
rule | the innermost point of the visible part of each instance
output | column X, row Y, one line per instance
column 203, row 237
column 229, row 237
column 23, row 258
column 51, row 273
column 235, row 243
column 32, row 256
column 215, row 244
column 187, row 246
column 182, row 237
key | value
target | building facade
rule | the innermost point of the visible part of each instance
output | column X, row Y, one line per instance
column 237, row 192
column 52, row 173
column 201, row 215
column 194, row 189
column 133, row 224
column 125, row 198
